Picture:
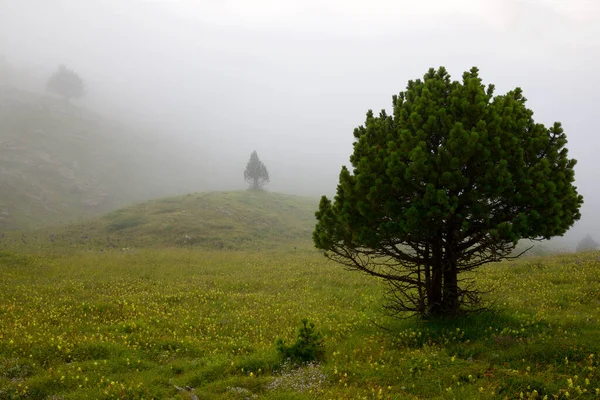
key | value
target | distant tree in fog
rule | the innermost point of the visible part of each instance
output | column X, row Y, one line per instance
column 256, row 173
column 587, row 243
column 66, row 83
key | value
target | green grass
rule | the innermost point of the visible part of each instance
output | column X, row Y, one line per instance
column 256, row 220
column 133, row 324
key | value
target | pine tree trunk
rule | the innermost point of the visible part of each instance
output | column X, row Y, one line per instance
column 434, row 290
column 450, row 302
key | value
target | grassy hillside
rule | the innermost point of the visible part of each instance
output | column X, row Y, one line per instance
column 133, row 325
column 59, row 162
column 214, row 220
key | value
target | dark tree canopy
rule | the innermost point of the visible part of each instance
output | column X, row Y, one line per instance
column 256, row 173
column 66, row 83
column 587, row 243
column 448, row 182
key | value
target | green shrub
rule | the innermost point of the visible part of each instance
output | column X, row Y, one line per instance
column 308, row 347
column 125, row 222
column 15, row 368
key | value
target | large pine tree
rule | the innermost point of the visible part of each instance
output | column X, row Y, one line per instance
column 448, row 182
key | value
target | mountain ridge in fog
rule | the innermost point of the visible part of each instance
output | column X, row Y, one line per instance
column 60, row 161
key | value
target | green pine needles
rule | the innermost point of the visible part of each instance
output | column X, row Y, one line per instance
column 451, row 180
column 308, row 347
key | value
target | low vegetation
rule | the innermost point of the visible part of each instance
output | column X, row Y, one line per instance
column 137, row 323
column 308, row 346
column 221, row 295
column 238, row 220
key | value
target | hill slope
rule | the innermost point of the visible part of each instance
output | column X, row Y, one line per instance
column 216, row 220
column 59, row 162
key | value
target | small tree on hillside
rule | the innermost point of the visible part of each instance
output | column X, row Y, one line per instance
column 448, row 182
column 256, row 173
column 66, row 83
column 587, row 243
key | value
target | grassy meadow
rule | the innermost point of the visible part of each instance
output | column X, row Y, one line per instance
column 186, row 297
column 236, row 220
column 134, row 324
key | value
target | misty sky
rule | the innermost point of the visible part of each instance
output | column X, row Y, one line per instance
column 291, row 79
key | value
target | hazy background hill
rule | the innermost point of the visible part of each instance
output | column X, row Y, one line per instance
column 233, row 220
column 60, row 161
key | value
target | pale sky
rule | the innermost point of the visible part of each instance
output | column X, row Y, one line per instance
column 291, row 79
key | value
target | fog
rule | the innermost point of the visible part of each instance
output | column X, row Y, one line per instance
column 291, row 79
